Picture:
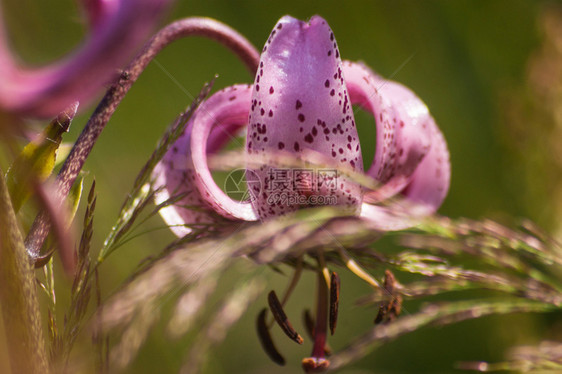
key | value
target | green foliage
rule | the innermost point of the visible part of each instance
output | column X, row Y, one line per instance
column 37, row 159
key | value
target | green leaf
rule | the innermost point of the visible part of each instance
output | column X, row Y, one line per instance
column 37, row 160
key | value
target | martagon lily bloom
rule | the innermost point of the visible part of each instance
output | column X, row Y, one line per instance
column 301, row 105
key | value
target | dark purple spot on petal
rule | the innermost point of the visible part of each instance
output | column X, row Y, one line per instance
column 298, row 104
column 301, row 117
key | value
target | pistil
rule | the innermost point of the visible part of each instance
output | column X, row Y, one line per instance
column 318, row 362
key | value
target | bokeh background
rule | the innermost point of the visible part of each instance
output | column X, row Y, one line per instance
column 490, row 72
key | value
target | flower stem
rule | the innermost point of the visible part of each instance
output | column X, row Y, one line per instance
column 205, row 27
column 18, row 298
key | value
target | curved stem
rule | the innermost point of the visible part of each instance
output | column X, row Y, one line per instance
column 205, row 27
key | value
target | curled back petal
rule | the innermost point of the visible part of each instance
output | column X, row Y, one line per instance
column 363, row 90
column 299, row 104
column 430, row 182
column 227, row 108
column 413, row 135
column 415, row 160
column 423, row 195
column 405, row 141
column 119, row 28
column 177, row 176
column 176, row 191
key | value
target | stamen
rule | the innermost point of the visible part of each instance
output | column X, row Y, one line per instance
column 334, row 301
column 323, row 266
column 391, row 308
column 266, row 341
column 357, row 270
column 281, row 318
column 291, row 287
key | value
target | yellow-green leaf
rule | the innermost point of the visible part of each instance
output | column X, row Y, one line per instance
column 37, row 160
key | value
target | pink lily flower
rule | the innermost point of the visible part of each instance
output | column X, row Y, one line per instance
column 119, row 27
column 301, row 105
column 301, row 101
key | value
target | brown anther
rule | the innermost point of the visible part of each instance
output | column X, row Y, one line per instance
column 391, row 308
column 281, row 318
column 334, row 301
column 315, row 365
column 266, row 340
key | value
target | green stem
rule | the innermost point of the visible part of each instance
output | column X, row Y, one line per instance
column 18, row 298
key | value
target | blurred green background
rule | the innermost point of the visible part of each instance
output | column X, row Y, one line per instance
column 468, row 60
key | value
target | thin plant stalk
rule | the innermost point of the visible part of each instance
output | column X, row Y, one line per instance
column 18, row 297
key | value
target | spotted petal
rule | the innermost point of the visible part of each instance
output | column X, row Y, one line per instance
column 119, row 27
column 411, row 158
column 402, row 122
column 300, row 104
column 423, row 195
column 183, row 171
